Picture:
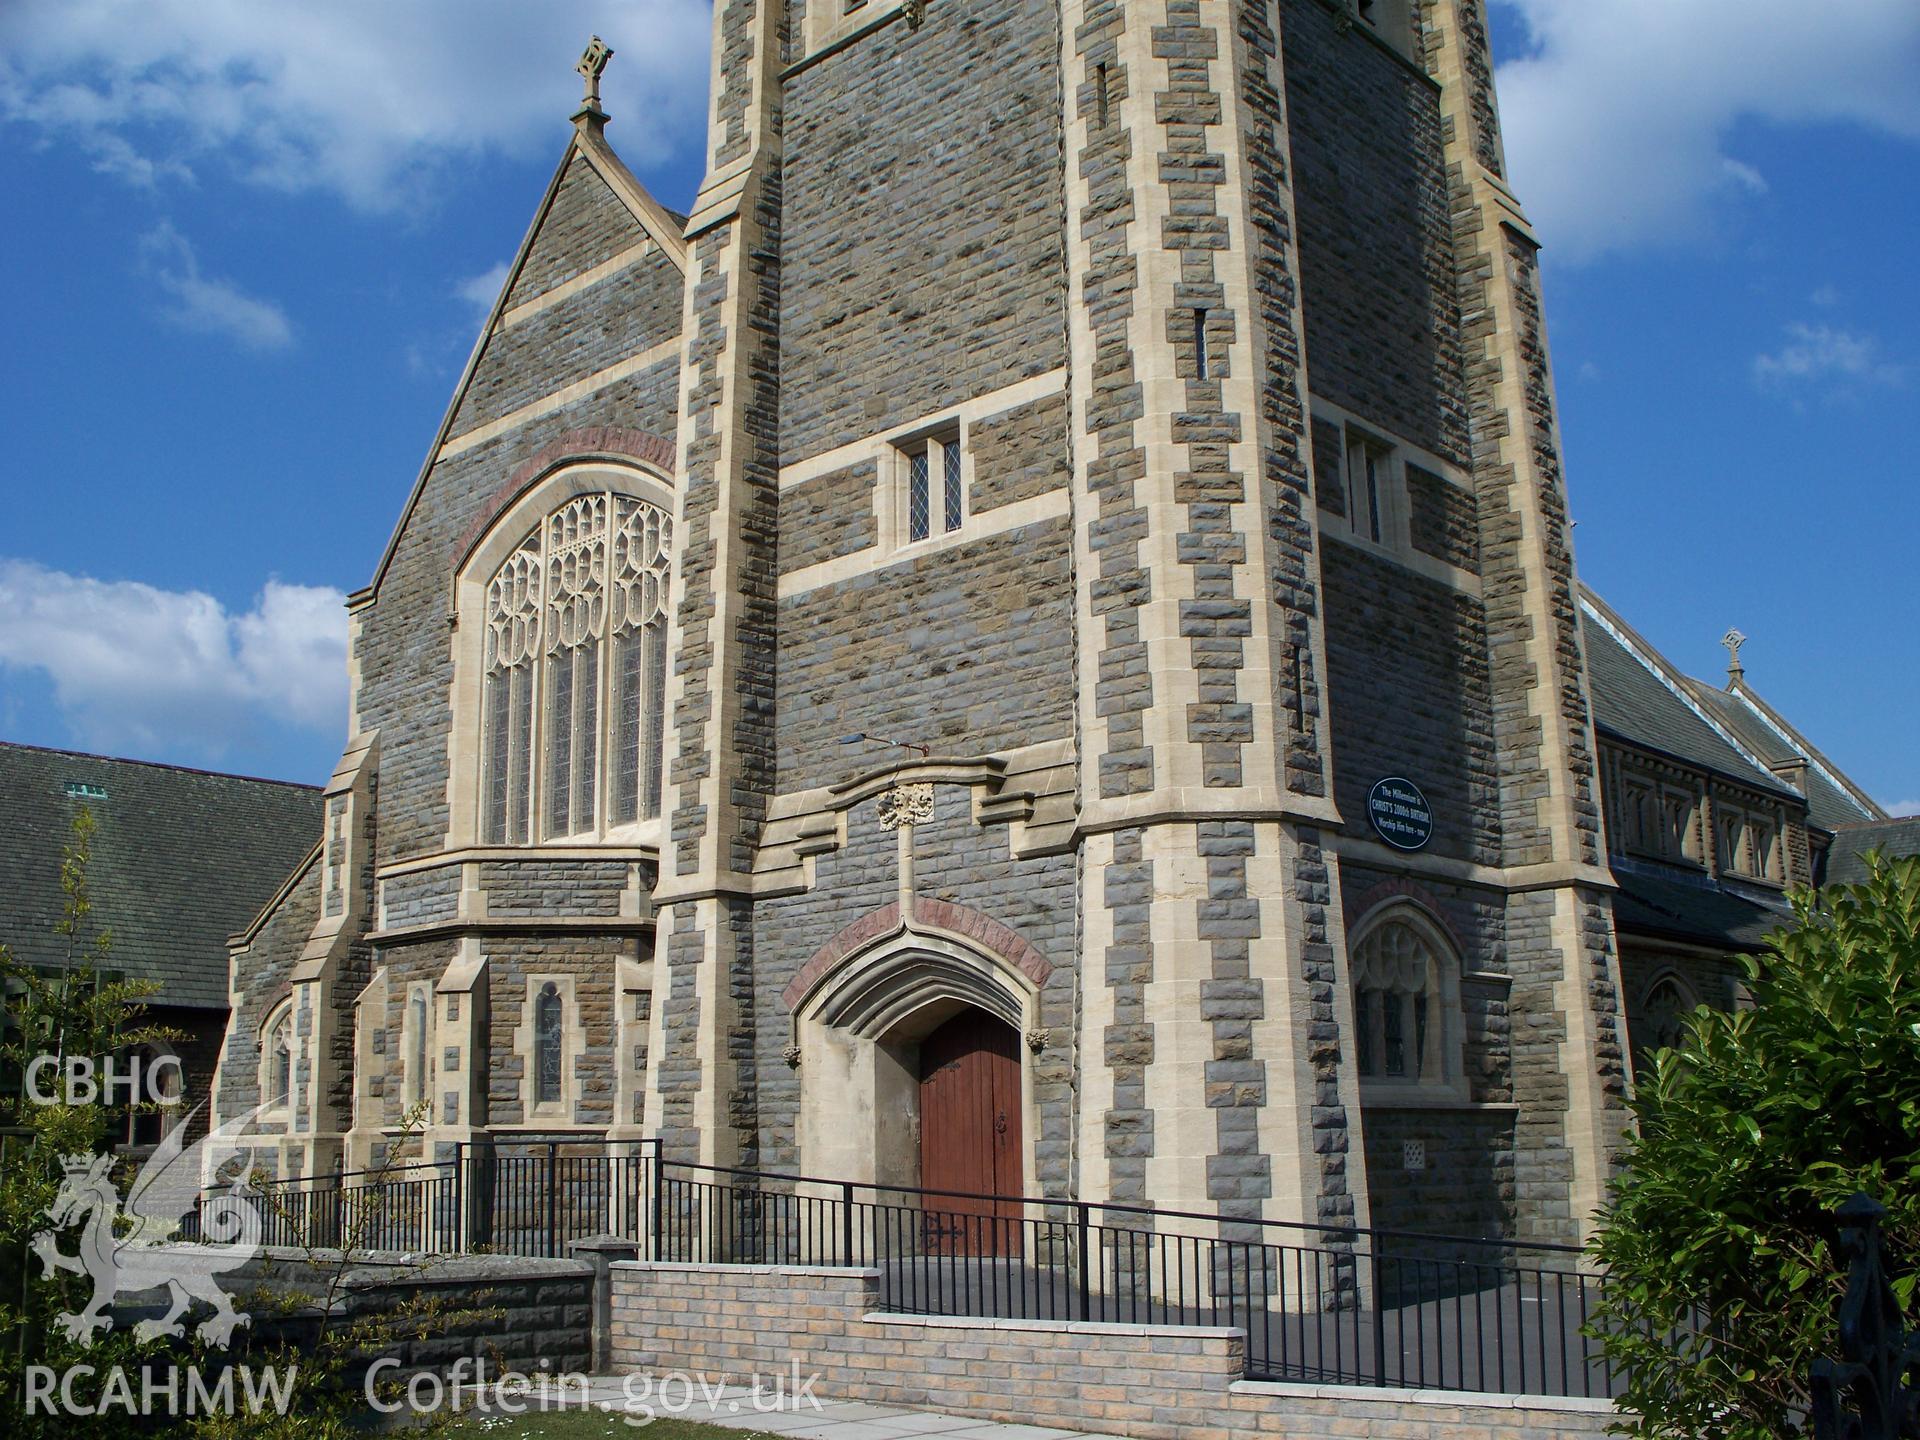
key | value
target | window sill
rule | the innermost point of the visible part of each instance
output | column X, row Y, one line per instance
column 1405, row 1101
column 630, row 848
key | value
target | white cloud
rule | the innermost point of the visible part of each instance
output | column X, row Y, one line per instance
column 211, row 306
column 1903, row 807
column 1813, row 354
column 480, row 291
column 364, row 98
column 137, row 667
column 1617, row 119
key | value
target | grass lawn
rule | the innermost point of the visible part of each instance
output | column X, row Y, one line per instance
column 588, row 1425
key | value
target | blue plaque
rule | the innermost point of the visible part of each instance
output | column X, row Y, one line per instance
column 1400, row 813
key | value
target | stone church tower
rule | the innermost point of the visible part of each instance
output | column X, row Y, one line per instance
column 1030, row 642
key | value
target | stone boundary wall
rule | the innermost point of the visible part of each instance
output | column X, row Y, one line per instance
column 521, row 1313
column 1157, row 1382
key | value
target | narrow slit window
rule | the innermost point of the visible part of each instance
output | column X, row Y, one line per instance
column 955, row 498
column 919, row 504
column 1368, row 472
column 417, row 1081
column 1100, row 100
column 1200, row 368
column 548, row 1038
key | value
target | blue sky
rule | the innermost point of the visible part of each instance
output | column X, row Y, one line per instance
column 249, row 246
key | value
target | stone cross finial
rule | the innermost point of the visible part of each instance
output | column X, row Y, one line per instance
column 1733, row 640
column 593, row 64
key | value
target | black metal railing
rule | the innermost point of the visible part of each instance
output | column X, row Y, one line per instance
column 1325, row 1304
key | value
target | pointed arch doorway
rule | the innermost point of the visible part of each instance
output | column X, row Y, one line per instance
column 970, row 1134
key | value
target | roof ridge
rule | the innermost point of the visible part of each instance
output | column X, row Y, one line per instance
column 1793, row 735
column 157, row 765
column 1671, row 677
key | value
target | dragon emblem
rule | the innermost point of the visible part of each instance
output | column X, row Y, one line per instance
column 125, row 1252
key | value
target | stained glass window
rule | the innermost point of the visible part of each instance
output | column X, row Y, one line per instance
column 548, row 1040
column 575, row 672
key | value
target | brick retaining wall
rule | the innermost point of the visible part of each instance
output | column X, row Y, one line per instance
column 1158, row 1382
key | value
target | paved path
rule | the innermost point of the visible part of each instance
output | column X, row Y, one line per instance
column 732, row 1406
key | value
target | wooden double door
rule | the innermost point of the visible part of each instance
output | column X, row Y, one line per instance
column 970, row 1136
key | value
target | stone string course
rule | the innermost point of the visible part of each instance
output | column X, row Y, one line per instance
column 1155, row 1382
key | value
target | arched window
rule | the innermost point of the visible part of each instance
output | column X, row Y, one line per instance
column 574, row 672
column 1406, row 1005
column 548, row 1041
column 418, row 1057
column 276, row 1060
column 1663, row 1017
column 280, row 1061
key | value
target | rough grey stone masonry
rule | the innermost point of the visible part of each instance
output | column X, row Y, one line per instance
column 1118, row 585
column 591, row 1055
column 260, row 973
column 1466, row 1184
column 1019, row 453
column 1410, row 697
column 1126, row 890
column 624, row 314
column 553, row 887
column 1375, row 240
column 1444, row 520
column 968, row 649
column 828, row 516
column 421, row 897
column 1284, row 423
column 921, row 257
column 1331, row 1124
column 586, row 225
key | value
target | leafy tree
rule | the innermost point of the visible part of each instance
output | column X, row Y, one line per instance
column 1718, row 1238
column 74, row 1009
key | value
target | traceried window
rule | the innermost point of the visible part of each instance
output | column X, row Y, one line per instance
column 575, row 672
column 1406, row 1003
column 1663, row 1020
column 549, row 1041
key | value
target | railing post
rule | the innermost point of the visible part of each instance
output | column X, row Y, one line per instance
column 846, row 1224
column 459, row 1199
column 656, row 1203
column 553, row 1187
column 1380, row 1317
column 1082, row 1223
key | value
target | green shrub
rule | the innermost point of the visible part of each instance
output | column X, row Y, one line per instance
column 1718, row 1237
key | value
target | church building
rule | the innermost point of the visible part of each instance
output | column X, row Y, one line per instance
column 1029, row 642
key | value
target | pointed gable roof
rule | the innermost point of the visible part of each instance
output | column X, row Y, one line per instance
column 1641, row 698
column 587, row 154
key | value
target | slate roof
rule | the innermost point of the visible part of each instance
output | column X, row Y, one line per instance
column 181, row 860
column 1830, row 803
column 1633, row 703
column 1847, row 860
column 1697, row 911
